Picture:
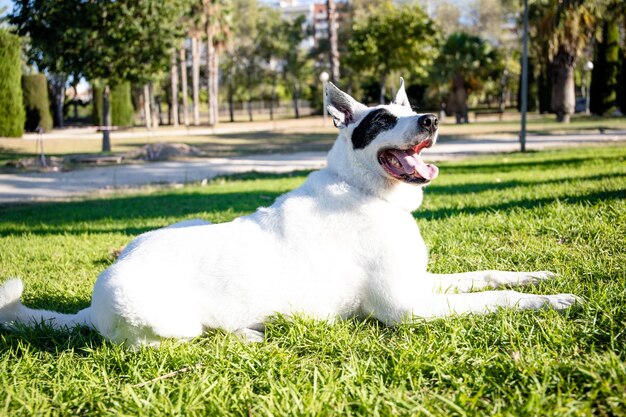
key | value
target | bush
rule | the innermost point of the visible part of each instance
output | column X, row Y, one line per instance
column 121, row 105
column 36, row 102
column 122, row 111
column 11, row 104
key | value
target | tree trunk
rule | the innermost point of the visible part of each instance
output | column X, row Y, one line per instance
column 174, row 82
column 184, row 87
column 214, row 84
column 57, row 85
column 75, row 100
column 383, row 81
column 544, row 91
column 212, row 63
column 159, row 110
column 621, row 85
column 533, row 92
column 231, row 102
column 250, row 118
column 563, row 89
column 106, row 119
column 604, row 77
column 154, row 110
column 272, row 99
column 296, row 100
column 457, row 102
column 146, row 106
column 333, row 40
column 195, row 79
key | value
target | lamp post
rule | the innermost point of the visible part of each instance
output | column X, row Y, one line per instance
column 324, row 77
column 524, row 103
column 588, row 68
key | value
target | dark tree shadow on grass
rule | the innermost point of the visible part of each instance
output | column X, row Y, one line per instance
column 591, row 198
column 43, row 338
column 102, row 214
column 61, row 217
column 504, row 185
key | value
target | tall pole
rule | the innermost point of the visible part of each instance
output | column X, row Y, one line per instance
column 324, row 76
column 524, row 104
column 588, row 68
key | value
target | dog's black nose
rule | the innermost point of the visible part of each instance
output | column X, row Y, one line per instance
column 428, row 122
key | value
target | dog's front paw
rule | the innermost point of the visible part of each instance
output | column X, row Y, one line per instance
column 563, row 301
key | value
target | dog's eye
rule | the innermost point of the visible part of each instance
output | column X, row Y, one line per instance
column 372, row 125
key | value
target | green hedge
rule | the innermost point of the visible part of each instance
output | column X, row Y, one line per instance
column 36, row 102
column 11, row 106
column 121, row 105
column 122, row 111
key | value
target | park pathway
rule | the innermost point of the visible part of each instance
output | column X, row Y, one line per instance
column 23, row 187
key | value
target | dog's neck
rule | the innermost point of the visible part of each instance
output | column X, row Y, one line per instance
column 342, row 162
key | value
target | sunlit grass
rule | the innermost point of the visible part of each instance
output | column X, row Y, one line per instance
column 563, row 210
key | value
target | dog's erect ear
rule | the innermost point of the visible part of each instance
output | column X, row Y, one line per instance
column 342, row 107
column 401, row 97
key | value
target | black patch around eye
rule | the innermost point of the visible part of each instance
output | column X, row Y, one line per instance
column 371, row 126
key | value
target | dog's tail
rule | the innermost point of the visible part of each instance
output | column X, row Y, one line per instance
column 13, row 312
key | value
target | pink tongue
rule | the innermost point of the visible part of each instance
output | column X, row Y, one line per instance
column 413, row 163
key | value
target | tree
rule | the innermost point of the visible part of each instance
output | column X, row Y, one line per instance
column 184, row 87
column 604, row 77
column 393, row 38
column 121, row 106
column 194, row 25
column 270, row 44
column 107, row 41
column 217, row 30
column 51, row 28
column 564, row 28
column 466, row 62
column 12, row 113
column 447, row 15
column 174, row 88
column 36, row 102
column 333, row 40
column 242, row 65
column 296, row 64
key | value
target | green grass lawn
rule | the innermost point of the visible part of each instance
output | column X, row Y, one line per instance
column 563, row 211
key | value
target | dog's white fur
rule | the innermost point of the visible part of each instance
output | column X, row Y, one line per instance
column 343, row 244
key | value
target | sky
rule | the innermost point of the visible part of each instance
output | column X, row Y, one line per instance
column 6, row 3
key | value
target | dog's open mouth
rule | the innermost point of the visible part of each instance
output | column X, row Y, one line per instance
column 407, row 165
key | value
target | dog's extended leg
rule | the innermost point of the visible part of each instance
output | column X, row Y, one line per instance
column 431, row 306
column 441, row 305
column 477, row 280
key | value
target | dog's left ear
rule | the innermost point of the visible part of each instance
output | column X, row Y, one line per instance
column 401, row 97
column 342, row 107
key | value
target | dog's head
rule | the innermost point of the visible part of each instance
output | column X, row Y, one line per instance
column 383, row 143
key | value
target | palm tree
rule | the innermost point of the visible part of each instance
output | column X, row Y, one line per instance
column 332, row 39
column 217, row 31
column 566, row 27
column 466, row 62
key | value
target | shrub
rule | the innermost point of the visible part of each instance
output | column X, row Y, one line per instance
column 120, row 105
column 96, row 99
column 36, row 102
column 122, row 111
column 12, row 113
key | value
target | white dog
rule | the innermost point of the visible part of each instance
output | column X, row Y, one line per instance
column 343, row 244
